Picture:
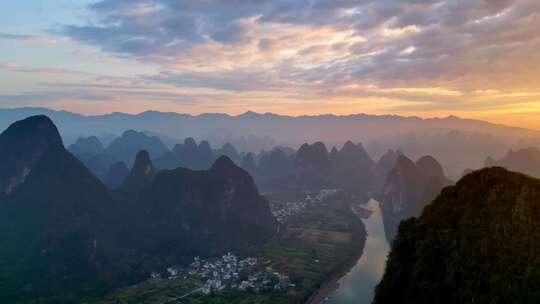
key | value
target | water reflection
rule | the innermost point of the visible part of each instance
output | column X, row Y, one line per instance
column 357, row 287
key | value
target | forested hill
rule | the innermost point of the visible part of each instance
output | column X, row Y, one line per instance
column 477, row 242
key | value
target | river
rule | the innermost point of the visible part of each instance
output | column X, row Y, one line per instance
column 358, row 285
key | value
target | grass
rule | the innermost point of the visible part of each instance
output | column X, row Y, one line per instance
column 317, row 235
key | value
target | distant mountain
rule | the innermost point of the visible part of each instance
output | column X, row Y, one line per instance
column 388, row 160
column 87, row 145
column 286, row 129
column 99, row 164
column 188, row 155
column 313, row 168
column 100, row 160
column 126, row 147
column 248, row 163
column 454, row 149
column 355, row 171
column 457, row 143
column 90, row 151
column 526, row 161
column 275, row 171
column 230, row 151
column 63, row 234
column 141, row 175
column 477, row 242
column 409, row 187
column 116, row 175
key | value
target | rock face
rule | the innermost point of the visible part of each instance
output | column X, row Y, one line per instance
column 526, row 161
column 217, row 208
column 408, row 188
column 22, row 146
column 477, row 242
column 63, row 233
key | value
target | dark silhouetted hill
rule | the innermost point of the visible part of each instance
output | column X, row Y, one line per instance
column 219, row 208
column 477, row 242
column 64, row 235
column 116, row 175
column 408, row 188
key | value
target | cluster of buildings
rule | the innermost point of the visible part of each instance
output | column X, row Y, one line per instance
column 321, row 196
column 283, row 210
column 229, row 272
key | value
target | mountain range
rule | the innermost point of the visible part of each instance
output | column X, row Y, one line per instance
column 457, row 143
column 288, row 130
column 64, row 234
column 402, row 187
column 313, row 168
column 292, row 129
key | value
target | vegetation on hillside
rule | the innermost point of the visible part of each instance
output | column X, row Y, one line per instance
column 477, row 242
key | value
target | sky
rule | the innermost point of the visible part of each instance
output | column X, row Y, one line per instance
column 471, row 58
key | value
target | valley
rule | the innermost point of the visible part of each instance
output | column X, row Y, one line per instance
column 284, row 226
column 313, row 246
column 270, row 152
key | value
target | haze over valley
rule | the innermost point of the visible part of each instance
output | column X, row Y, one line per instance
column 457, row 143
column 269, row 152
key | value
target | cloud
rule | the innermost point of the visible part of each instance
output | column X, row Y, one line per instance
column 39, row 96
column 41, row 70
column 30, row 38
column 339, row 48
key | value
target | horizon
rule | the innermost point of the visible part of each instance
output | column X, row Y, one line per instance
column 296, row 58
column 270, row 151
column 450, row 116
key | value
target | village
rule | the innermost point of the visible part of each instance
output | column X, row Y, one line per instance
column 282, row 210
column 229, row 272
column 248, row 274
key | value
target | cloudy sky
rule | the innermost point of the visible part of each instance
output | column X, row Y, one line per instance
column 472, row 58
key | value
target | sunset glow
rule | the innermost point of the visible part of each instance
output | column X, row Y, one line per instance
column 475, row 58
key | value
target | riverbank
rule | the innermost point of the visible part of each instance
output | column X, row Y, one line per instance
column 358, row 285
column 332, row 284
